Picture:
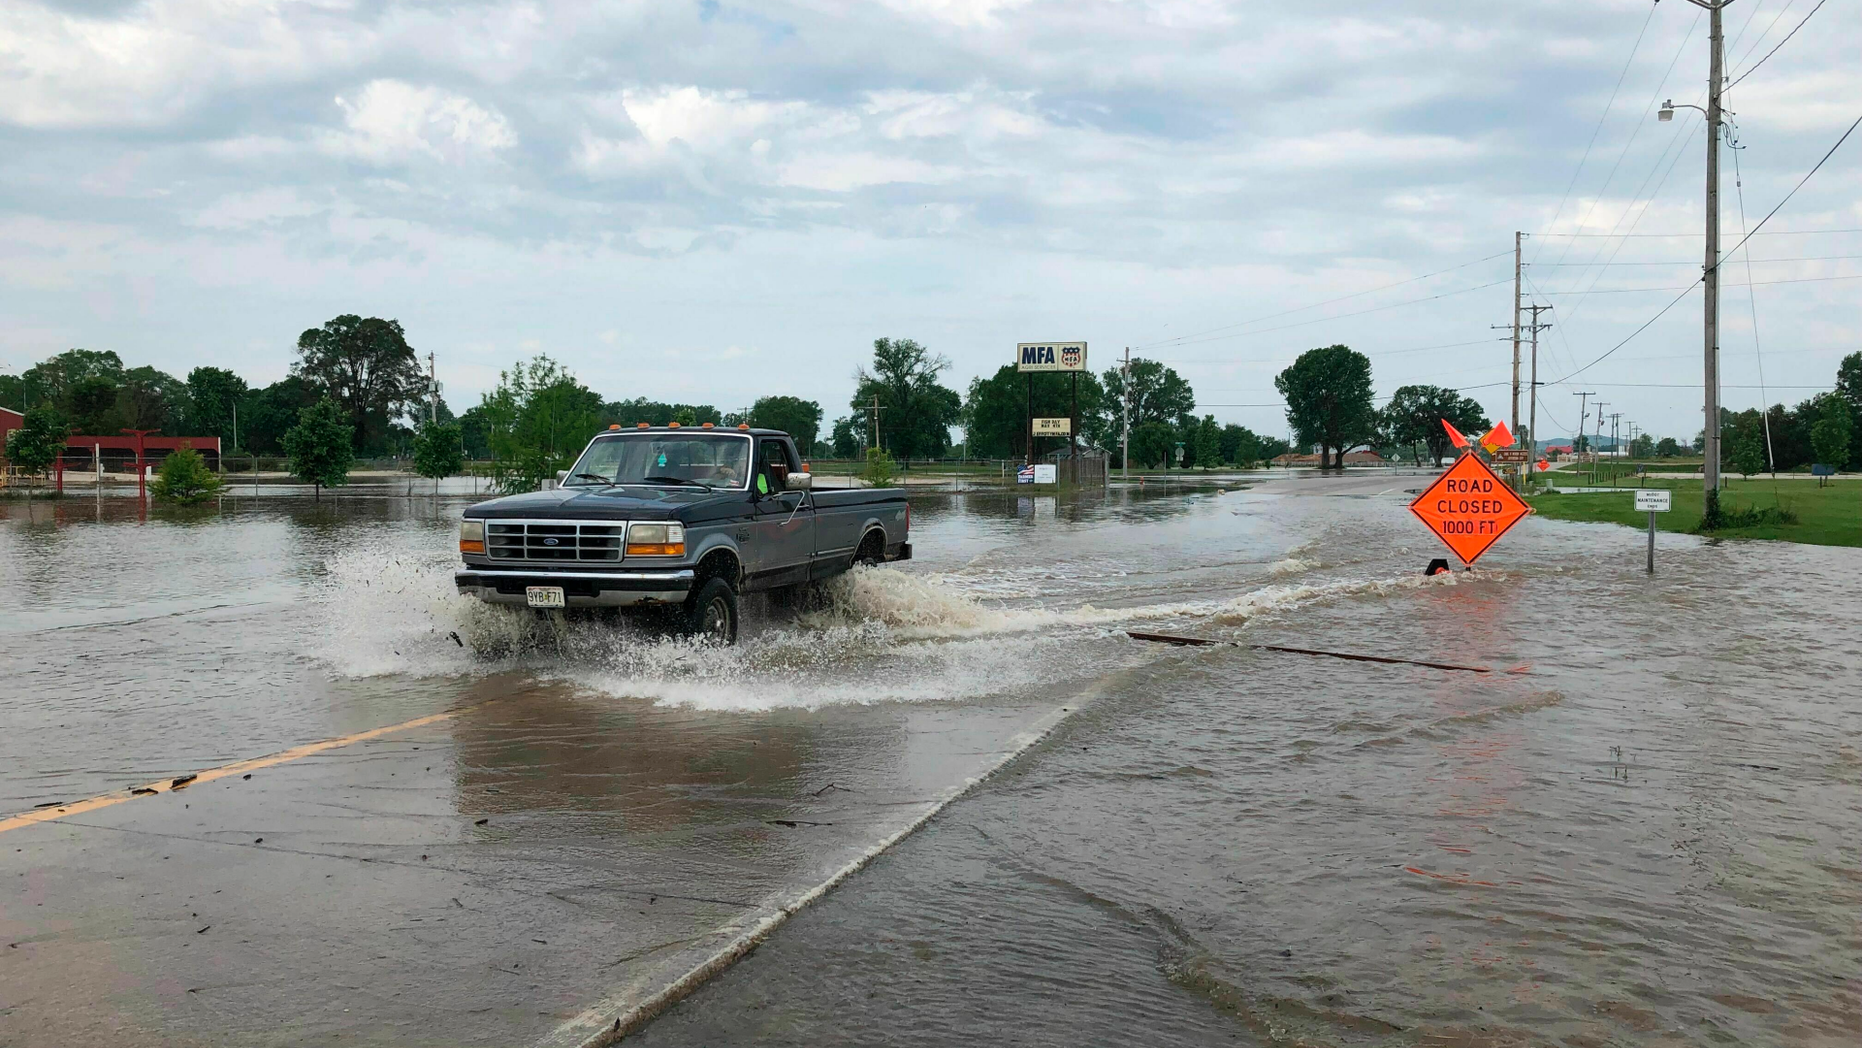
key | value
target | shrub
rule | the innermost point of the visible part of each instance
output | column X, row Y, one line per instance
column 184, row 478
column 880, row 470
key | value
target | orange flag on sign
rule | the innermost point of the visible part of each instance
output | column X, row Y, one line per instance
column 1498, row 437
column 1454, row 435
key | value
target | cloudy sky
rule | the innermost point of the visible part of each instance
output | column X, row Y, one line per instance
column 705, row 200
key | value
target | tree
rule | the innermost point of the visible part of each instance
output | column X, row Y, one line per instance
column 541, row 418
column 1206, row 443
column 798, row 418
column 438, row 451
column 658, row 413
column 212, row 395
column 475, row 432
column 1240, row 445
column 367, row 367
column 91, row 403
column 1849, row 388
column 1158, row 394
column 151, row 399
column 1830, row 433
column 321, row 445
column 849, row 437
column 1746, row 444
column 1667, row 447
column 916, row 411
column 1328, row 395
column 1152, row 444
column 1642, row 447
column 40, row 438
column 266, row 414
column 53, row 378
column 995, row 414
column 184, row 478
column 1414, row 417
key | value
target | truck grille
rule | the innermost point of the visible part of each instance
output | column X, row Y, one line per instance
column 584, row 543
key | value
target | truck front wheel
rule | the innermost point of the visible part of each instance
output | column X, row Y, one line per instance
column 711, row 611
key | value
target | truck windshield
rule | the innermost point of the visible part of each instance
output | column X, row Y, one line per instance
column 673, row 459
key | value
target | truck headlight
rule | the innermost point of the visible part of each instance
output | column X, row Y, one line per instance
column 471, row 536
column 656, row 540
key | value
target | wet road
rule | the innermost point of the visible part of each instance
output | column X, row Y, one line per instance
column 1648, row 838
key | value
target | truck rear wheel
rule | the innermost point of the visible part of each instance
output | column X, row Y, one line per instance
column 872, row 549
column 711, row 612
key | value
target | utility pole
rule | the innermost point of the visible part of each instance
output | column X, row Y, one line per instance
column 1596, row 459
column 1616, row 444
column 1125, row 418
column 433, row 393
column 1517, row 271
column 872, row 429
column 1710, row 270
column 1583, row 415
column 1532, row 425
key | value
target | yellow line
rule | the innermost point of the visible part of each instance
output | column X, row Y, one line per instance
column 33, row 818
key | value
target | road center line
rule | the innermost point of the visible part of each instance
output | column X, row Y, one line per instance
column 170, row 785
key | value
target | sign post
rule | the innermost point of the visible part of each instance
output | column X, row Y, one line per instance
column 1031, row 357
column 1653, row 501
column 1469, row 508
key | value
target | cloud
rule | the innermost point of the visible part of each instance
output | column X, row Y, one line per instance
column 392, row 120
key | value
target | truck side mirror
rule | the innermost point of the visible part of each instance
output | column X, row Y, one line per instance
column 800, row 482
column 561, row 475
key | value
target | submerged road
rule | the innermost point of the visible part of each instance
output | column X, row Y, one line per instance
column 519, row 835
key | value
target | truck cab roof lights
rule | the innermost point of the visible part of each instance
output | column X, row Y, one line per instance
column 640, row 425
column 710, row 425
column 614, row 425
column 743, row 425
column 672, row 425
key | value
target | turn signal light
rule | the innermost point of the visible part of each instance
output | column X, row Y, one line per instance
column 656, row 540
column 471, row 536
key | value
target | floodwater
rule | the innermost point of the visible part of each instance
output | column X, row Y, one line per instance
column 1650, row 833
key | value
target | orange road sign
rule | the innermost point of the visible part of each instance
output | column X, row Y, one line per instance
column 1469, row 507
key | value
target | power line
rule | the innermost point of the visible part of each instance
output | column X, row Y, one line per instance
column 1601, row 117
column 1645, row 326
column 1672, row 236
column 1191, row 340
column 1197, row 335
column 1273, row 359
column 1774, row 50
column 1684, row 287
column 1793, row 192
column 1696, row 262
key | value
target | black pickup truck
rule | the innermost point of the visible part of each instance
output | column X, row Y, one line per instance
column 680, row 520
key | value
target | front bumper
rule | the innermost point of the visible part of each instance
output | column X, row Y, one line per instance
column 581, row 589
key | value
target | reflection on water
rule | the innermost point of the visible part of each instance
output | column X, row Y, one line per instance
column 1649, row 837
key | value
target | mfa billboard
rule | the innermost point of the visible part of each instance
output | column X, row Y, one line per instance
column 1050, row 356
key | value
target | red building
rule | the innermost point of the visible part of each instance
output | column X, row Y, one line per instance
column 118, row 452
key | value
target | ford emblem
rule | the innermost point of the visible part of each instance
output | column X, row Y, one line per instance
column 549, row 542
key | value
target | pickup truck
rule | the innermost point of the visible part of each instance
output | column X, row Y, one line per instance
column 677, row 520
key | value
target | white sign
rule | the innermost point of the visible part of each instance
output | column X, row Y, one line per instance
column 1053, row 427
column 1654, row 500
column 1050, row 356
column 1045, row 473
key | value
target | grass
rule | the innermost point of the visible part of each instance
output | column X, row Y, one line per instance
column 1790, row 511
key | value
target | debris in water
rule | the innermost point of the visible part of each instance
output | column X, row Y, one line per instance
column 259, row 840
column 1203, row 642
column 141, row 791
column 203, row 930
column 793, row 823
column 182, row 781
column 831, row 786
column 50, row 804
column 455, row 636
column 481, row 822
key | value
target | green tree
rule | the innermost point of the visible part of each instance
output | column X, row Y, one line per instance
column 1158, row 394
column 1206, row 446
column 36, row 444
column 92, row 405
column 849, row 437
column 212, row 395
column 266, row 414
column 1642, row 447
column 1849, row 388
column 1413, row 419
column 53, row 378
column 184, row 478
column 1328, row 395
column 656, row 413
column 438, row 451
column 1830, row 433
column 1152, row 444
column 916, row 411
column 152, row 399
column 995, row 414
column 1667, row 447
column 475, row 432
column 880, row 470
column 367, row 367
column 321, row 445
column 1746, row 443
column 541, row 418
column 1240, row 445
column 798, row 418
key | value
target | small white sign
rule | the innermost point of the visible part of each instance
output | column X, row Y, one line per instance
column 1053, row 427
column 1046, row 473
column 1050, row 356
column 1654, row 500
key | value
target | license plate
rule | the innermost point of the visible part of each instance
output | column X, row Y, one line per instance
column 544, row 596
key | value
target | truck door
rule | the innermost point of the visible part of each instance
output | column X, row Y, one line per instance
column 785, row 526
